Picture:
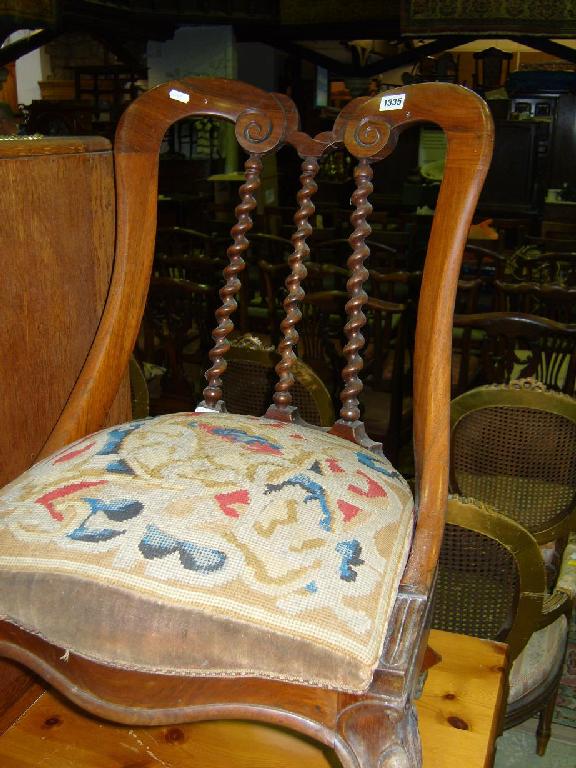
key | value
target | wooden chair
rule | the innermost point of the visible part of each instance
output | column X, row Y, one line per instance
column 226, row 566
column 551, row 300
column 483, row 264
column 514, row 447
column 319, row 278
column 253, row 301
column 507, row 346
column 491, row 68
column 491, row 584
column 385, row 399
column 547, row 267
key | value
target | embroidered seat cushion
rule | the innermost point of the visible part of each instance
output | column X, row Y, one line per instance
column 265, row 548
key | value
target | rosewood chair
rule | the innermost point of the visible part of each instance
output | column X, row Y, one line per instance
column 210, row 565
column 491, row 584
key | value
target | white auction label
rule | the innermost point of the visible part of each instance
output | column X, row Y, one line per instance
column 179, row 96
column 392, row 102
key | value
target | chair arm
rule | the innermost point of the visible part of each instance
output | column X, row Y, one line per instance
column 566, row 581
column 562, row 599
column 557, row 604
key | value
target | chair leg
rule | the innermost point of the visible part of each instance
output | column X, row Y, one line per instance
column 545, row 724
column 374, row 734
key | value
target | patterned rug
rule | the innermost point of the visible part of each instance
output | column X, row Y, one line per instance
column 565, row 713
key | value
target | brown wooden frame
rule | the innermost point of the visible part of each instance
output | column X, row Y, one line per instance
column 377, row 727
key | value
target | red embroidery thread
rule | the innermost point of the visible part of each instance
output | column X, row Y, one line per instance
column 47, row 499
column 226, row 500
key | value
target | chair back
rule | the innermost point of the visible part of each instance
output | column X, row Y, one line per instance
column 491, row 579
column 551, row 300
column 499, row 347
column 368, row 128
column 250, row 361
column 514, row 447
column 550, row 266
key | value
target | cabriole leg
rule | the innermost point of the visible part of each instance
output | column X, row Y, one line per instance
column 375, row 734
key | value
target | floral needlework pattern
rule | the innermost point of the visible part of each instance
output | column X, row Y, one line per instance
column 282, row 526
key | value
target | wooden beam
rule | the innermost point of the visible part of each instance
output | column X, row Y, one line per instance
column 353, row 69
column 273, row 33
column 315, row 57
column 547, row 46
column 413, row 54
column 14, row 50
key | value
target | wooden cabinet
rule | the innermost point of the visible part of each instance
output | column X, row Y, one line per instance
column 57, row 228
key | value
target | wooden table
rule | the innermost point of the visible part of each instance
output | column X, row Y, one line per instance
column 458, row 715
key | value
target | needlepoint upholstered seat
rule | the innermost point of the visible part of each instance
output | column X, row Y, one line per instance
column 284, row 547
column 208, row 564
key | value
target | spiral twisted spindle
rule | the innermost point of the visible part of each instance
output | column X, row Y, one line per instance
column 308, row 187
column 213, row 392
column 350, row 412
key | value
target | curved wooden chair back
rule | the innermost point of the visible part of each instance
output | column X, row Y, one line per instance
column 514, row 448
column 486, row 265
column 325, row 277
column 559, row 244
column 399, row 286
column 482, row 262
column 368, row 128
column 551, row 300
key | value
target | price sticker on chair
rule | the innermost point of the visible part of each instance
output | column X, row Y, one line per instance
column 392, row 102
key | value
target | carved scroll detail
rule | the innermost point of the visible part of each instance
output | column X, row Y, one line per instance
column 213, row 392
column 253, row 127
column 371, row 135
column 350, row 411
column 282, row 394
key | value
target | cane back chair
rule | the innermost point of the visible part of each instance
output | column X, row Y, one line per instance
column 491, row 584
column 249, row 360
column 211, row 565
column 514, row 448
